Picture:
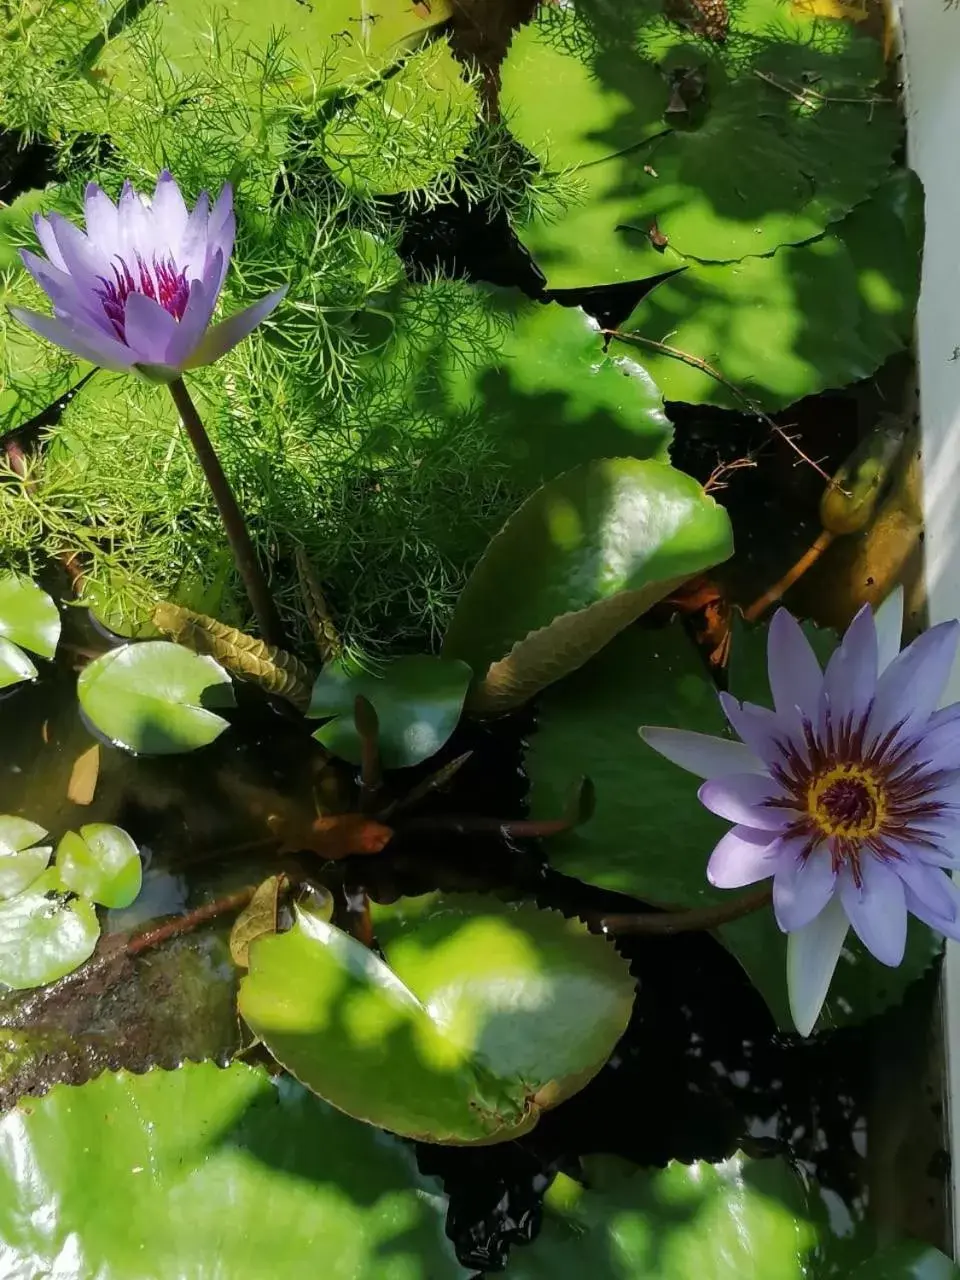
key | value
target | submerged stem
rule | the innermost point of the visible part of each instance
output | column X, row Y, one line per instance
column 669, row 922
column 234, row 524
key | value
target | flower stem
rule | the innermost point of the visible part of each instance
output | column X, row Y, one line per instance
column 244, row 555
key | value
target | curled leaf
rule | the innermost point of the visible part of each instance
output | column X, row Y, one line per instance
column 259, row 918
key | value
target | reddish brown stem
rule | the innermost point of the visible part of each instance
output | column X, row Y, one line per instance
column 795, row 572
column 698, row 918
column 160, row 933
column 234, row 524
column 519, row 828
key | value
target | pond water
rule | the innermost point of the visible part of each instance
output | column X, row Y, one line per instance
column 702, row 1069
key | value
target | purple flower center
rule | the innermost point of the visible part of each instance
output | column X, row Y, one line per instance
column 161, row 281
column 845, row 802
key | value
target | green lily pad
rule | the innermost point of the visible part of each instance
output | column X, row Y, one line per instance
column 28, row 616
column 549, row 395
column 779, row 135
column 649, row 835
column 101, row 862
column 15, row 666
column 739, row 1220
column 585, row 555
column 418, row 700
column 154, row 698
column 901, row 1260
column 799, row 321
column 224, row 1173
column 404, row 132
column 483, row 1014
column 43, row 938
column 21, row 858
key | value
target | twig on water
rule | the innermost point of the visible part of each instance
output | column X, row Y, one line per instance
column 671, row 922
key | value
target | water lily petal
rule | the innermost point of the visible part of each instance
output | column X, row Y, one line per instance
column 169, row 211
column 86, row 342
column 812, row 955
column 699, row 753
column 743, row 797
column 888, row 620
column 149, row 329
column 48, row 241
column 795, row 675
column 910, row 688
column 850, row 680
column 802, row 887
column 947, row 923
column 100, row 214
column 67, row 297
column 193, row 324
column 759, row 727
column 192, row 253
column 134, row 228
column 86, row 262
column 929, row 885
column 742, row 856
column 224, row 336
column 877, row 909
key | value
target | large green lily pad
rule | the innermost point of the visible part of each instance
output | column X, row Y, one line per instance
column 418, row 700
column 799, row 321
column 484, row 1014
column 154, row 698
column 207, row 1173
column 585, row 555
column 43, row 936
column 739, row 1220
column 718, row 151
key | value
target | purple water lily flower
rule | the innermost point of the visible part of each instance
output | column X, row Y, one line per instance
column 138, row 290
column 847, row 794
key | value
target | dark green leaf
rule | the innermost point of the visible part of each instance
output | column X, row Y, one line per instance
column 797, row 322
column 211, row 1173
column 21, row 859
column 154, row 698
column 418, row 700
column 101, row 862
column 739, row 1220
column 43, row 938
column 28, row 617
column 585, row 555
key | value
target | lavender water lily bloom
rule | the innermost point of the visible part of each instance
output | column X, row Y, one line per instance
column 847, row 794
column 137, row 292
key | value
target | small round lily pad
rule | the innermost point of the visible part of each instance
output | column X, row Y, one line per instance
column 101, row 862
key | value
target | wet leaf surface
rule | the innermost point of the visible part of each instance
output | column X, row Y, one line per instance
column 101, row 862
column 585, row 555
column 154, row 698
column 42, row 937
column 28, row 616
column 223, row 1172
column 21, row 858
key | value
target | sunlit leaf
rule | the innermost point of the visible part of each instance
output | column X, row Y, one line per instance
column 43, row 937
column 212, row 1173
column 101, row 862
column 481, row 1015
column 584, row 556
column 154, row 698
column 21, row 859
column 739, row 1220
column 418, row 700
column 15, row 666
column 28, row 616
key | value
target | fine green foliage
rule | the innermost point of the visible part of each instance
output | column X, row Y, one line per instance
column 417, row 700
column 155, row 698
column 482, row 1014
column 224, row 1172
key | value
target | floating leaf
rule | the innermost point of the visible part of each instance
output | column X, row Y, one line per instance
column 584, row 556
column 43, row 938
column 739, row 1220
column 223, row 1173
column 255, row 920
column 154, row 698
column 82, row 786
column 28, row 616
column 21, row 860
column 483, row 1014
column 15, row 666
column 101, row 862
column 797, row 322
column 716, row 154
column 418, row 700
